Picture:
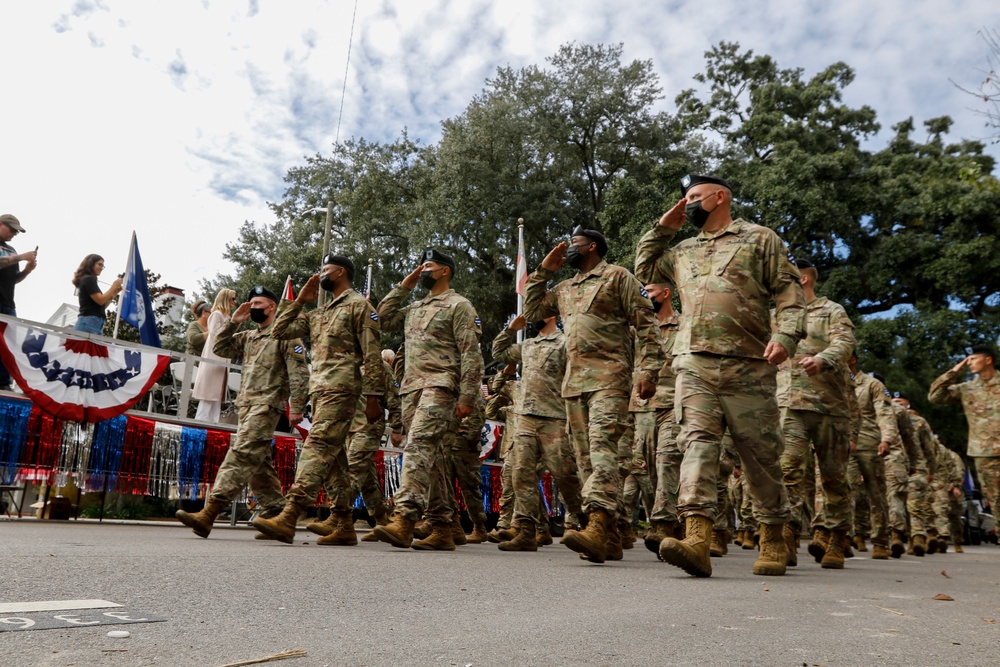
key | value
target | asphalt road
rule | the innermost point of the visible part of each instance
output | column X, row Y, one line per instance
column 231, row 598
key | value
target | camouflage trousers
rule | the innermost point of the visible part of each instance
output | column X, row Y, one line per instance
column 745, row 509
column 918, row 504
column 988, row 469
column 866, row 474
column 948, row 513
column 638, row 484
column 249, row 461
column 829, row 437
column 507, row 493
column 596, row 420
column 667, row 459
column 713, row 393
column 323, row 461
column 542, row 443
column 423, row 489
column 362, row 446
column 897, row 484
column 463, row 464
column 724, row 518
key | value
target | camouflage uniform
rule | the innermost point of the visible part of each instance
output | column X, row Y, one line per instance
column 274, row 372
column 499, row 408
column 726, row 280
column 816, row 409
column 981, row 402
column 444, row 368
column 947, row 508
column 725, row 514
column 540, row 438
column 866, row 469
column 464, row 444
column 596, row 308
column 920, row 495
column 903, row 455
column 346, row 365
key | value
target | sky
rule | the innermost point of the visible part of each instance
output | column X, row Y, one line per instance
column 178, row 120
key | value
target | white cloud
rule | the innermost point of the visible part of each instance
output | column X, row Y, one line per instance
column 180, row 119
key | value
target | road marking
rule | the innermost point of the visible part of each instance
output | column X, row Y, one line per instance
column 54, row 605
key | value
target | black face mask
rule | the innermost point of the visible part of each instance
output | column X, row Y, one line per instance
column 573, row 256
column 696, row 215
column 327, row 283
column 427, row 280
column 656, row 305
column 258, row 315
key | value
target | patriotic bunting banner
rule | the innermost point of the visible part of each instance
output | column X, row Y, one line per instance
column 78, row 380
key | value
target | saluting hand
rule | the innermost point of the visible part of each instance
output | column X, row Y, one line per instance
column 962, row 364
column 309, row 291
column 556, row 258
column 518, row 323
column 674, row 218
column 241, row 314
column 410, row 281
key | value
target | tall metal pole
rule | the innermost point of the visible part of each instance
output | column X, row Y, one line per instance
column 326, row 245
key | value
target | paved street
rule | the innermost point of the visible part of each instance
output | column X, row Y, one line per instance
column 231, row 598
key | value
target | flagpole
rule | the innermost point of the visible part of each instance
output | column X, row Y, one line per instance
column 368, row 279
column 118, row 297
column 520, row 254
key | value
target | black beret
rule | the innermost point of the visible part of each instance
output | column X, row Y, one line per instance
column 803, row 263
column 262, row 291
column 899, row 394
column 340, row 260
column 698, row 179
column 984, row 349
column 595, row 236
column 432, row 255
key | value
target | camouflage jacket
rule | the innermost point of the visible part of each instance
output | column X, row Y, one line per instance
column 543, row 366
column 345, row 337
column 597, row 308
column 726, row 280
column 195, row 338
column 274, row 371
column 442, row 342
column 981, row 401
column 927, row 442
column 950, row 468
column 906, row 439
column 501, row 389
column 830, row 339
column 664, row 396
column 391, row 403
column 878, row 422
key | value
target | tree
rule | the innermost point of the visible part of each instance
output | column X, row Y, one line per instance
column 169, row 336
column 988, row 89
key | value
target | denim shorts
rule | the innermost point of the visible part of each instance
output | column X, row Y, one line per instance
column 89, row 324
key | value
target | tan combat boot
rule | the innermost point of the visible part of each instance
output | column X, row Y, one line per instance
column 658, row 531
column 457, row 532
column 398, row 532
column 325, row 527
column 943, row 541
column 820, row 543
column 628, row 534
column 381, row 519
column 932, row 542
column 201, row 522
column 958, row 545
column 773, row 557
column 739, row 538
column 507, row 534
column 791, row 536
column 422, row 529
column 543, row 538
column 919, row 545
column 833, row 559
column 523, row 541
column 478, row 534
column 880, row 552
column 750, row 539
column 717, row 547
column 692, row 553
column 896, row 546
column 344, row 535
column 494, row 535
column 859, row 543
column 592, row 542
column 615, row 545
column 281, row 527
column 262, row 536
column 440, row 539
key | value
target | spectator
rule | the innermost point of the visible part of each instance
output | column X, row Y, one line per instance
column 93, row 302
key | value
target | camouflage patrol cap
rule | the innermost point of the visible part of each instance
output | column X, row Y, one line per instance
column 262, row 291
column 697, row 179
column 12, row 222
column 595, row 236
column 340, row 260
column 432, row 255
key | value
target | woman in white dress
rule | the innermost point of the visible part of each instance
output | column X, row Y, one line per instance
column 212, row 382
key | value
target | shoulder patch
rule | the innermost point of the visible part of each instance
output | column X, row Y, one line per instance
column 478, row 323
column 298, row 349
column 642, row 291
column 887, row 394
column 374, row 316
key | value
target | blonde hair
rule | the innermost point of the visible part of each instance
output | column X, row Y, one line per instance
column 224, row 302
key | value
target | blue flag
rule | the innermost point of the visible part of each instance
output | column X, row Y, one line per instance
column 136, row 307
